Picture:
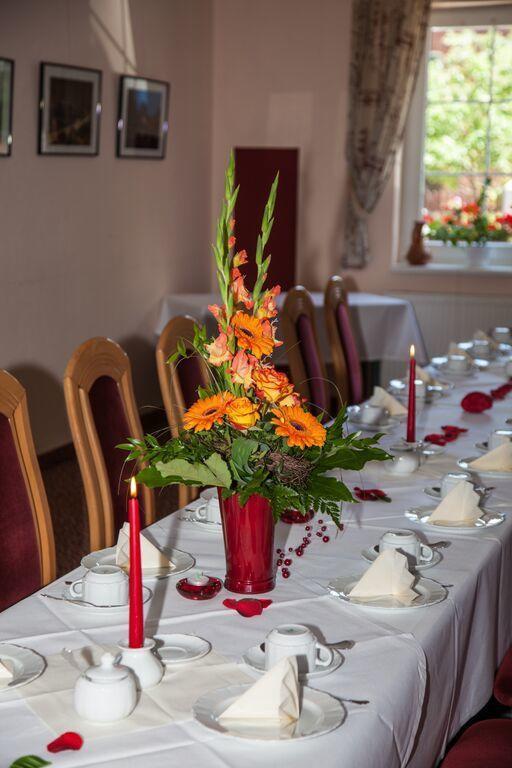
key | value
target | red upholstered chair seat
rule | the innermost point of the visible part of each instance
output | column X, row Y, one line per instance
column 348, row 343
column 487, row 744
column 503, row 682
column 312, row 363
column 191, row 377
column 20, row 568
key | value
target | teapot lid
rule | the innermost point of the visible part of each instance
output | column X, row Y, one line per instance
column 107, row 671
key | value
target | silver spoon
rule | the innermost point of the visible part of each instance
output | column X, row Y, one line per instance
column 342, row 645
column 78, row 602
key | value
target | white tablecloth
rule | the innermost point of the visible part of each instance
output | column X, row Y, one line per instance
column 425, row 671
column 384, row 326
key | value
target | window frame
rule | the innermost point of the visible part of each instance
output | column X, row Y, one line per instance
column 411, row 156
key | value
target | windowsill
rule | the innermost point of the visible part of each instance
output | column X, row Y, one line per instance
column 456, row 269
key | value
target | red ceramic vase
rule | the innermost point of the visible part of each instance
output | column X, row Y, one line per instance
column 249, row 544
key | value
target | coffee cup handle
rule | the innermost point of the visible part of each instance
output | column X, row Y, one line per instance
column 76, row 589
column 326, row 653
column 426, row 553
column 200, row 512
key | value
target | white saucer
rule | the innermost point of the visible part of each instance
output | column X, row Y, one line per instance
column 491, row 474
column 179, row 649
column 181, row 560
column 440, row 363
column 371, row 554
column 354, row 417
column 429, row 593
column 487, row 520
column 206, row 525
column 147, row 594
column 255, row 659
column 320, row 713
column 400, row 389
column 24, row 663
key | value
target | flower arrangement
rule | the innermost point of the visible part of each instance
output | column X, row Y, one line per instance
column 470, row 223
column 249, row 432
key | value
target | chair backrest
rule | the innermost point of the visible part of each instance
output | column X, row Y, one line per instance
column 102, row 413
column 27, row 554
column 298, row 327
column 179, row 380
column 345, row 357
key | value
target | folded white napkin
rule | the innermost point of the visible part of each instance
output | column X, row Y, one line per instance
column 454, row 349
column 497, row 460
column 459, row 507
column 388, row 575
column 423, row 375
column 274, row 698
column 6, row 674
column 151, row 556
column 483, row 336
column 385, row 400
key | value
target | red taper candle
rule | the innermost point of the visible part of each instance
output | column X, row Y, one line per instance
column 136, row 626
column 411, row 411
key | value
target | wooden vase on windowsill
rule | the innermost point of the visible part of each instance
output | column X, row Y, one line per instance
column 417, row 256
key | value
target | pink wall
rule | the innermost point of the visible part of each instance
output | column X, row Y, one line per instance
column 281, row 79
column 89, row 245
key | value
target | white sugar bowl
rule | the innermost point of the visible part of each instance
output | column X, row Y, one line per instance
column 105, row 693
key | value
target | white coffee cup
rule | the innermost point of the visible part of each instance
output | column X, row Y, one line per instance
column 457, row 363
column 420, row 389
column 373, row 414
column 481, row 348
column 502, row 334
column 451, row 479
column 102, row 585
column 406, row 542
column 209, row 510
column 403, row 463
column 296, row 640
column 499, row 437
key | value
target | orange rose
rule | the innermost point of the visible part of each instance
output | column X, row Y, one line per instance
column 270, row 384
column 242, row 413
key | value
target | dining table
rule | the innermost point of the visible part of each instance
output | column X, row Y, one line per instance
column 410, row 679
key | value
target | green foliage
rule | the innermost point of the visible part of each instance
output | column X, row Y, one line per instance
column 214, row 471
column 29, row 761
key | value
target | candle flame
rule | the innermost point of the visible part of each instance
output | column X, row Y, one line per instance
column 412, row 351
column 133, row 488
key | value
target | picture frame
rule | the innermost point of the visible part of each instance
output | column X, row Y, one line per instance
column 6, row 100
column 69, row 110
column 143, row 117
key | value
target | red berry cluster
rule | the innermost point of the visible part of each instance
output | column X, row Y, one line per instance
column 284, row 561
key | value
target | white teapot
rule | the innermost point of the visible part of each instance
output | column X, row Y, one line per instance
column 105, row 693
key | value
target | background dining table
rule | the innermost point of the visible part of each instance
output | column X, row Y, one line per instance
column 424, row 671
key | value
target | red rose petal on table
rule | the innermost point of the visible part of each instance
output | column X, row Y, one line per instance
column 476, row 402
column 453, row 428
column 435, row 439
column 68, row 740
column 247, row 606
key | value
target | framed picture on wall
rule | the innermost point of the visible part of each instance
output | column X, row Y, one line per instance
column 69, row 110
column 142, row 123
column 6, row 96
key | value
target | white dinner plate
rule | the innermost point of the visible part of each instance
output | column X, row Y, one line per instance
column 179, row 649
column 491, row 474
column 488, row 519
column 109, row 610
column 24, row 663
column 320, row 713
column 181, row 560
column 255, row 659
column 429, row 593
column 354, row 417
column 371, row 554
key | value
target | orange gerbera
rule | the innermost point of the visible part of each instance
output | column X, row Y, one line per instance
column 253, row 334
column 298, row 427
column 205, row 413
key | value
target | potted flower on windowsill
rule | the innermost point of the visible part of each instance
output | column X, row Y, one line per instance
column 249, row 433
column 471, row 229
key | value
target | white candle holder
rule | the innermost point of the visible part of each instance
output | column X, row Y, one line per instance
column 145, row 664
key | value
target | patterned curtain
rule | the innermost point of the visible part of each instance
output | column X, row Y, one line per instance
column 387, row 44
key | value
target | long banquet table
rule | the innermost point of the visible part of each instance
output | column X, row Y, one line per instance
column 425, row 672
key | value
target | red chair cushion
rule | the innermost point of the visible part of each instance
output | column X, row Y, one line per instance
column 112, row 428
column 348, row 343
column 487, row 744
column 20, row 568
column 503, row 681
column 190, row 378
column 312, row 364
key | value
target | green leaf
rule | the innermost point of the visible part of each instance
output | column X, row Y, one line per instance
column 328, row 488
column 29, row 761
column 241, row 451
column 220, row 470
column 214, row 471
column 151, row 477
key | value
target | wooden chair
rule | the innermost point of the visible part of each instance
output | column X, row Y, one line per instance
column 102, row 413
column 298, row 328
column 179, row 380
column 345, row 357
column 27, row 554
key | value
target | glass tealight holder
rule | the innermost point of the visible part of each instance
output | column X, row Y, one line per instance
column 198, row 586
